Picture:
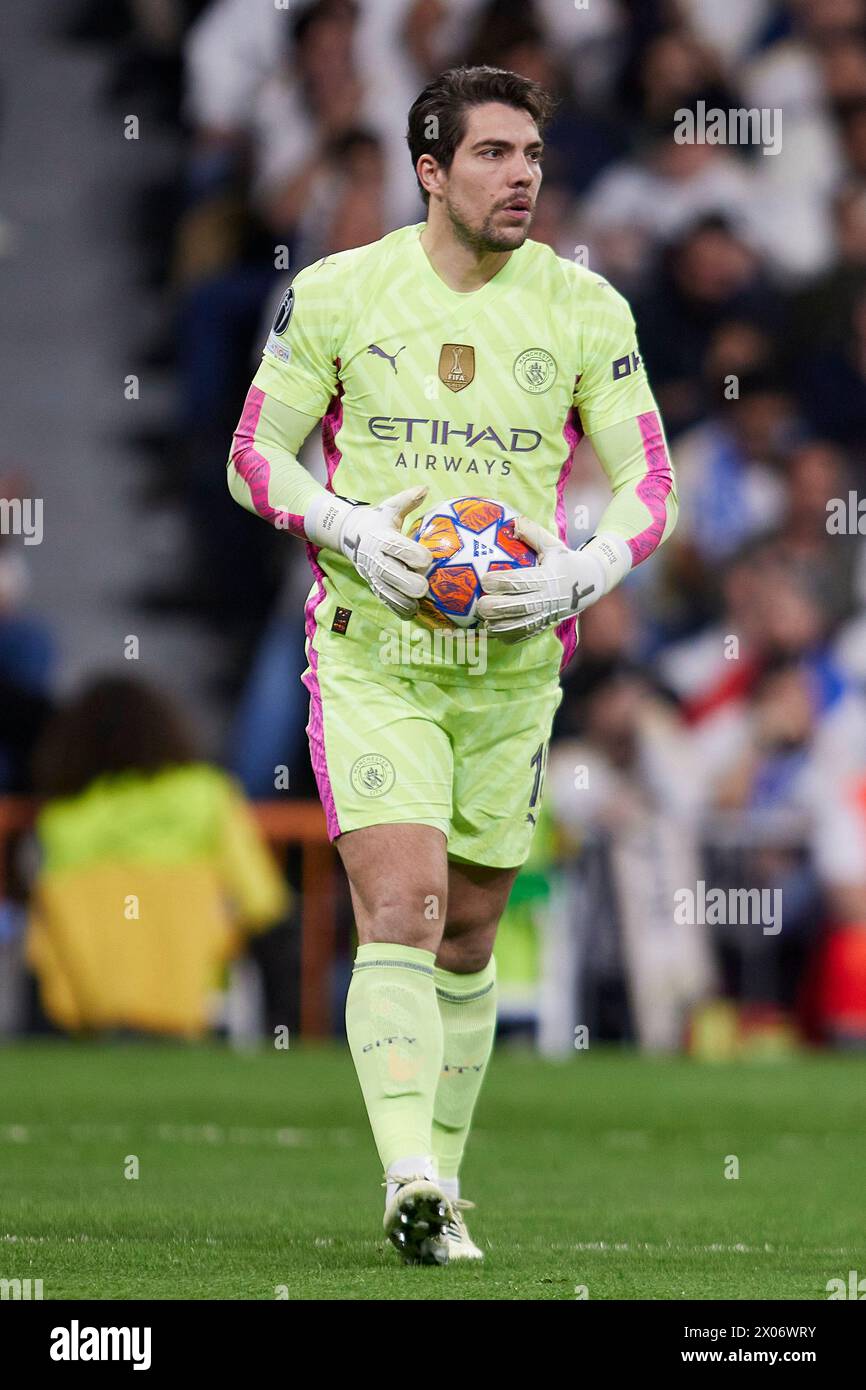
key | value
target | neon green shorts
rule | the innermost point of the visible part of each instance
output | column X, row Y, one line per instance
column 467, row 759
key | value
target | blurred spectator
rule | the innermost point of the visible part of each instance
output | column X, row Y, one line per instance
column 768, row 783
column 707, row 277
column 639, row 204
column 785, row 626
column 778, row 723
column 800, row 762
column 787, row 74
column 708, row 671
column 673, row 69
column 851, row 116
column 626, row 794
column 833, row 566
column 305, row 109
column 608, row 631
column 819, row 312
column 145, row 39
column 153, row 874
column 730, row 470
column 733, row 30
column 849, row 650
column 268, row 728
column 345, row 204
column 833, row 381
column 23, row 715
column 272, row 79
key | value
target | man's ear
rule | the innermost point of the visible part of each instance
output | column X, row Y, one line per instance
column 428, row 169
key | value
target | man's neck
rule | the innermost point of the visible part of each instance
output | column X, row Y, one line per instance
column 460, row 267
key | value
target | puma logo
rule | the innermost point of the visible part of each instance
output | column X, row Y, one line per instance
column 380, row 352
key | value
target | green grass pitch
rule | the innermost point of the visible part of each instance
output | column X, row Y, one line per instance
column 258, row 1178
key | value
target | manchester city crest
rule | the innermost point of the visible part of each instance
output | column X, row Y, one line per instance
column 373, row 775
column 535, row 370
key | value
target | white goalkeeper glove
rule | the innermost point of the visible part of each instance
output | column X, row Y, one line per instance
column 393, row 565
column 520, row 602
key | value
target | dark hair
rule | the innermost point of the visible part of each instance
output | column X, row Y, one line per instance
column 447, row 98
column 348, row 143
column 849, row 109
column 116, row 724
column 309, row 16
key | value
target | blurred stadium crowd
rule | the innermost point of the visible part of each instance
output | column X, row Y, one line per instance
column 714, row 725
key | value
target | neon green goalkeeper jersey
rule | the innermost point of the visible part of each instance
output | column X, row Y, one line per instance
column 483, row 393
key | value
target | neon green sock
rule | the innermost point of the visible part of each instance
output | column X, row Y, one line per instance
column 467, row 1004
column 395, row 1036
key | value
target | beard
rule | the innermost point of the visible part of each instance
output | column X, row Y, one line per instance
column 486, row 237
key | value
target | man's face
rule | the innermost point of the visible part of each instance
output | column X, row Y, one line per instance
column 491, row 188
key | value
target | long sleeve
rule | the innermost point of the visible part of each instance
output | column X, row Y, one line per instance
column 619, row 414
column 264, row 474
column 292, row 390
column 645, row 505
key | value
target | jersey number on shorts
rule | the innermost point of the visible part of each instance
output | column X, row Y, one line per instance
column 539, row 762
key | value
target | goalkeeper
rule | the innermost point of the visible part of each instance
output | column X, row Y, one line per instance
column 452, row 357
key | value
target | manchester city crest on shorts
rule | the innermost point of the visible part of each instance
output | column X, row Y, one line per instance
column 373, row 775
column 284, row 313
column 535, row 370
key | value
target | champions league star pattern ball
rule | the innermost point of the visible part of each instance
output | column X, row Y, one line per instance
column 466, row 538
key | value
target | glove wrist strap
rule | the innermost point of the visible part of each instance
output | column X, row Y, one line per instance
column 613, row 556
column 324, row 520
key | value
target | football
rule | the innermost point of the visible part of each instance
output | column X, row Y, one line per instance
column 466, row 538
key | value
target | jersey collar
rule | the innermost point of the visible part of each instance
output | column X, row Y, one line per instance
column 464, row 305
